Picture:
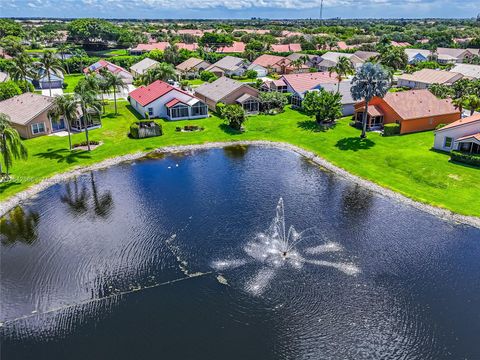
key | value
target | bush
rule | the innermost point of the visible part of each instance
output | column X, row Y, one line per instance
column 391, row 129
column 470, row 159
column 439, row 126
column 84, row 143
column 207, row 75
column 251, row 74
column 9, row 89
column 145, row 128
column 234, row 116
column 25, row 86
column 219, row 108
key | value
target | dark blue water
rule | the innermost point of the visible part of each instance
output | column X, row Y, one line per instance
column 118, row 264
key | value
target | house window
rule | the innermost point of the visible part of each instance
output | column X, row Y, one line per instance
column 150, row 111
column 38, row 128
column 448, row 142
column 179, row 111
column 296, row 101
column 250, row 105
column 199, row 109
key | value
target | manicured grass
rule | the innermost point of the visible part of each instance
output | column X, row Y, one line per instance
column 71, row 80
column 402, row 163
column 196, row 82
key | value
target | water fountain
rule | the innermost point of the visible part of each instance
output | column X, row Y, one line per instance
column 277, row 248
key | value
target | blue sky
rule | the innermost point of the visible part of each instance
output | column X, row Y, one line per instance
column 239, row 8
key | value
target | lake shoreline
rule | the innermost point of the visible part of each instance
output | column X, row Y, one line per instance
column 448, row 215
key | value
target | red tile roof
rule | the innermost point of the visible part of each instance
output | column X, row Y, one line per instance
column 307, row 81
column 236, row 47
column 414, row 104
column 103, row 64
column 191, row 47
column 173, row 102
column 266, row 60
column 286, row 47
column 467, row 120
column 146, row 94
column 152, row 46
column 400, row 44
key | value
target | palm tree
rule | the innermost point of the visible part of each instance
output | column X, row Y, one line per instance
column 162, row 71
column 441, row 91
column 50, row 64
column 11, row 146
column 343, row 68
column 115, row 82
column 62, row 49
column 371, row 80
column 87, row 99
column 297, row 63
column 472, row 102
column 21, row 68
column 393, row 57
column 104, row 88
column 66, row 106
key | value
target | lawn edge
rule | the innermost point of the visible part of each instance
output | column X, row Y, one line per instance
column 442, row 213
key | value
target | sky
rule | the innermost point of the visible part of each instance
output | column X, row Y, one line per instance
column 238, row 9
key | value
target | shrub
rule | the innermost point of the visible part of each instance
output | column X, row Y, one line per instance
column 9, row 89
column 251, row 74
column 234, row 116
column 84, row 143
column 391, row 129
column 212, row 79
column 219, row 109
column 470, row 159
column 25, row 86
column 207, row 75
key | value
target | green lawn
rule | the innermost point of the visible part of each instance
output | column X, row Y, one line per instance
column 71, row 80
column 196, row 82
column 402, row 163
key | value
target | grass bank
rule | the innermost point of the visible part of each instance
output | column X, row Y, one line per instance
column 402, row 163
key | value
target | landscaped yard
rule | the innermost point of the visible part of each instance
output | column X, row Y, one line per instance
column 195, row 82
column 72, row 80
column 403, row 163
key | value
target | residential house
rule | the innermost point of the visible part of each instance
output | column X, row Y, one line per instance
column 399, row 43
column 143, row 48
column 236, row 47
column 192, row 66
column 468, row 71
column 299, row 84
column 330, row 59
column 29, row 114
column 229, row 65
column 366, row 55
column 462, row 135
column 348, row 104
column 417, row 55
column 103, row 65
column 43, row 81
column 274, row 85
column 185, row 46
column 229, row 91
column 193, row 32
column 161, row 100
column 414, row 110
column 450, row 55
column 422, row 79
column 310, row 60
column 266, row 63
column 285, row 48
column 142, row 67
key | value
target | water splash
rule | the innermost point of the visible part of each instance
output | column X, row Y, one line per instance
column 277, row 248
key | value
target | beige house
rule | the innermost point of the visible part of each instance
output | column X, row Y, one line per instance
column 142, row 67
column 228, row 91
column 29, row 115
column 330, row 59
column 192, row 66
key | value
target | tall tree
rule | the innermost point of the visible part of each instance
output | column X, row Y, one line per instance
column 116, row 83
column 324, row 105
column 21, row 68
column 394, row 57
column 343, row 68
column 472, row 102
column 51, row 65
column 11, row 146
column 66, row 106
column 87, row 99
column 370, row 81
column 162, row 71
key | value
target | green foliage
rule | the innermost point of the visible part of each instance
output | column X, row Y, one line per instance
column 234, row 115
column 391, row 129
column 91, row 31
column 470, row 159
column 145, row 128
column 9, row 89
column 12, row 45
column 251, row 74
column 219, row 109
column 215, row 40
column 156, row 55
column 125, row 61
column 394, row 58
column 207, row 75
column 10, row 27
column 25, row 86
column 324, row 105
column 5, row 64
column 272, row 100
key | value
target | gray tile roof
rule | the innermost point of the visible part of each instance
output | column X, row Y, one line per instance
column 143, row 65
column 229, row 63
column 344, row 91
column 218, row 89
column 23, row 108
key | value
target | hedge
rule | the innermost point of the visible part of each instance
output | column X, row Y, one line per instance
column 471, row 159
column 391, row 129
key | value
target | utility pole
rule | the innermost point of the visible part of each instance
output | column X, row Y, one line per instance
column 321, row 10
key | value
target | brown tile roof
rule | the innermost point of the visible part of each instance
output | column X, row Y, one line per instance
column 189, row 64
column 267, row 60
column 307, row 81
column 414, row 104
column 23, row 108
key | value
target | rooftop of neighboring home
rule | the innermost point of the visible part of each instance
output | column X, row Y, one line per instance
column 54, row 75
column 286, row 47
column 143, row 65
column 25, row 107
column 193, row 32
column 474, row 119
column 467, row 70
column 399, row 43
column 185, row 46
column 344, row 91
column 220, row 88
column 236, row 47
column 431, row 76
column 267, row 60
column 152, row 46
column 189, row 64
column 366, row 55
column 144, row 95
column 415, row 104
column 228, row 63
column 412, row 53
column 342, row 45
column 288, row 33
column 307, row 81
column 450, row 52
column 296, row 56
column 103, row 64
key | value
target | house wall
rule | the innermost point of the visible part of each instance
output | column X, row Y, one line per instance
column 454, row 133
column 261, row 71
column 25, row 131
column 427, row 123
column 412, row 84
column 230, row 98
column 348, row 109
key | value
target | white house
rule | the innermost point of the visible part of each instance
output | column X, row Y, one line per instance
column 463, row 135
column 417, row 55
column 261, row 71
column 161, row 100
column 229, row 65
column 142, row 67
